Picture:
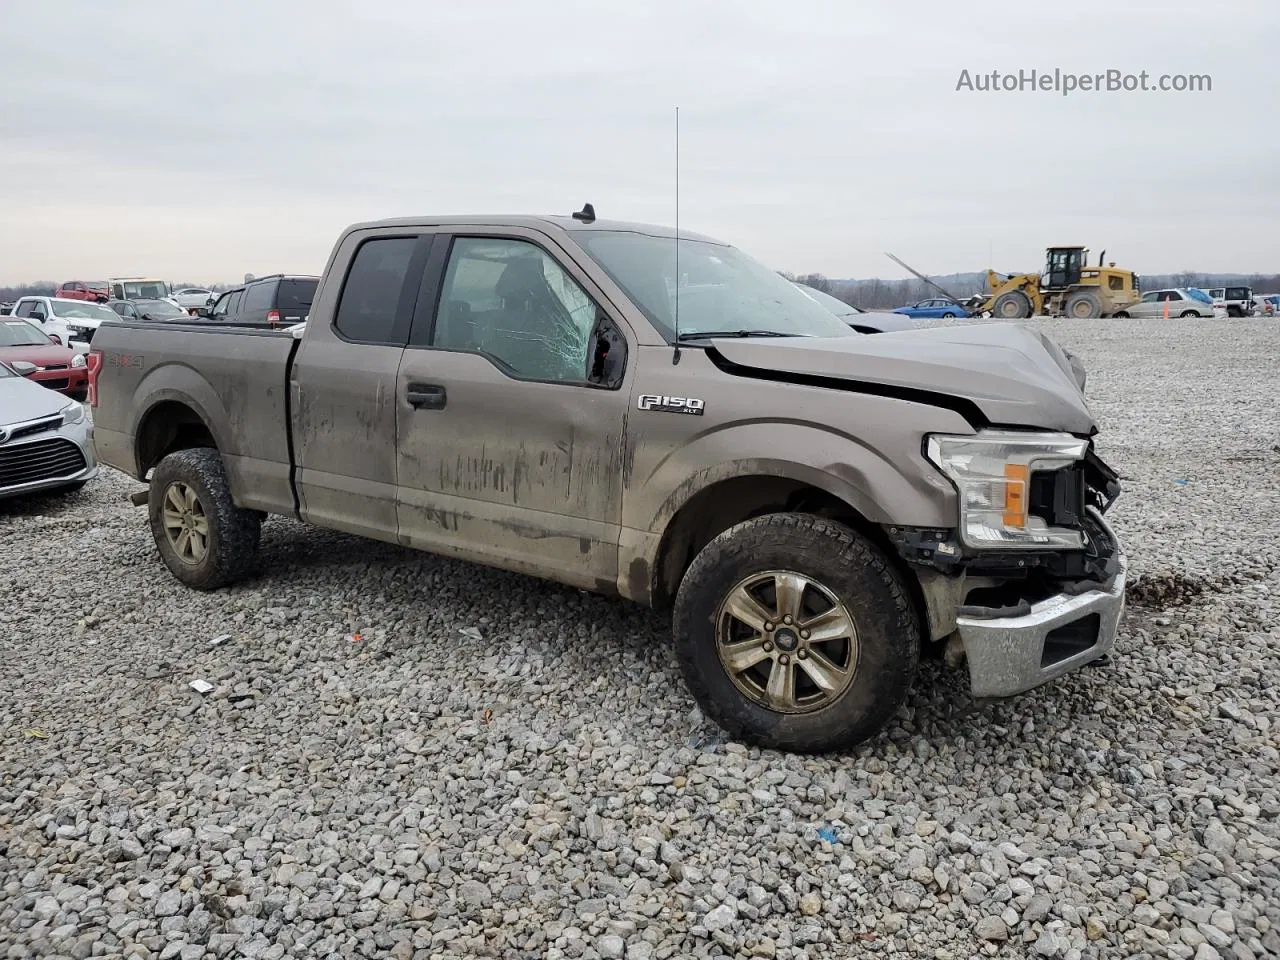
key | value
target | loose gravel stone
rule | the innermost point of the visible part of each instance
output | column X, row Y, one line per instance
column 541, row 786
column 992, row 928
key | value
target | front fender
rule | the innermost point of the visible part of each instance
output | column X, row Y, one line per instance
column 886, row 484
column 894, row 485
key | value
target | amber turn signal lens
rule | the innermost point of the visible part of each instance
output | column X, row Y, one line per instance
column 1015, row 495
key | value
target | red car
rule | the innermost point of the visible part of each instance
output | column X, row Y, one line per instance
column 95, row 291
column 57, row 367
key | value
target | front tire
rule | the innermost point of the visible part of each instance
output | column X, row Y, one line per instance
column 1084, row 305
column 204, row 539
column 794, row 632
column 1188, row 313
column 1012, row 305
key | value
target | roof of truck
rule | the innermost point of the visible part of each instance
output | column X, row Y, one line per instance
column 567, row 224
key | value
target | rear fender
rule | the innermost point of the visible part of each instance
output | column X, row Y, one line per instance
column 179, row 383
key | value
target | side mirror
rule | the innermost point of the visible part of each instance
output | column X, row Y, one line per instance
column 609, row 355
column 202, row 311
column 23, row 369
column 56, row 339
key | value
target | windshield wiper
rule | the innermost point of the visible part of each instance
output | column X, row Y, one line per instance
column 709, row 334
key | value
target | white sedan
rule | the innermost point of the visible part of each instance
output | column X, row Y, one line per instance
column 191, row 298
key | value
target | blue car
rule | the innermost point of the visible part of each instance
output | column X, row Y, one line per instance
column 935, row 309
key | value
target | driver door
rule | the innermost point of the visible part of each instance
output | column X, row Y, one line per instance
column 509, row 442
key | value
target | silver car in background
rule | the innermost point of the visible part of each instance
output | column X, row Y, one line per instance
column 46, row 440
column 1174, row 302
column 864, row 321
column 192, row 298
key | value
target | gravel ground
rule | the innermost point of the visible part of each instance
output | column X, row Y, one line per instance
column 545, row 788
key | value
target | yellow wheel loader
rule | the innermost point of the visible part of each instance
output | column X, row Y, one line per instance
column 1069, row 287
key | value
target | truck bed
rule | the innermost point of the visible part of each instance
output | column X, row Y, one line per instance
column 236, row 377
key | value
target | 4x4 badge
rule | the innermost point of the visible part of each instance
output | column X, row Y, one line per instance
column 665, row 404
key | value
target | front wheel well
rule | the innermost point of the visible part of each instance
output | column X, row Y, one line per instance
column 168, row 426
column 720, row 506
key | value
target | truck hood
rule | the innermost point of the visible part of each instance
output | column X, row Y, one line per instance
column 1013, row 375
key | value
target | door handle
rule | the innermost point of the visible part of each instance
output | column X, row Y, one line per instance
column 425, row 396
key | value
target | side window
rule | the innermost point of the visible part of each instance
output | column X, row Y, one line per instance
column 24, row 308
column 38, row 310
column 1149, row 298
column 1173, row 295
column 259, row 297
column 370, row 296
column 1115, row 283
column 510, row 301
column 117, row 291
column 220, row 308
column 233, row 302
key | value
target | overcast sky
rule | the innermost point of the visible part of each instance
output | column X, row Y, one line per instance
column 202, row 140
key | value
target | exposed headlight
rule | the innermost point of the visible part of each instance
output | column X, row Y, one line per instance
column 72, row 413
column 992, row 473
column 78, row 360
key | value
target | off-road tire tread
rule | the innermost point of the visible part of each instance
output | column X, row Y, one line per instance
column 838, row 546
column 234, row 534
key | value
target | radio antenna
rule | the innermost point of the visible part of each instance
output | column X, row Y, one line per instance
column 675, row 357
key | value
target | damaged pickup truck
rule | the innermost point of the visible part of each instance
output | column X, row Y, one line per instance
column 817, row 509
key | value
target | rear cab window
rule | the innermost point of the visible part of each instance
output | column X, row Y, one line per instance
column 369, row 305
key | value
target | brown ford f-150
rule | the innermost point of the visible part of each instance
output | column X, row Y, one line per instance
column 816, row 507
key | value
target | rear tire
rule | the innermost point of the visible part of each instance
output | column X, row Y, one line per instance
column 190, row 495
column 1083, row 305
column 1188, row 313
column 948, row 316
column 843, row 586
column 1122, row 315
column 1012, row 305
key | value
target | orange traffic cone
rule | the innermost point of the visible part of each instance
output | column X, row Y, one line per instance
column 1166, row 309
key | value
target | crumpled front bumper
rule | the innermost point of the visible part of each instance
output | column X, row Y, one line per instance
column 1011, row 655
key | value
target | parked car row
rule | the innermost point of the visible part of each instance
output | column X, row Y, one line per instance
column 65, row 320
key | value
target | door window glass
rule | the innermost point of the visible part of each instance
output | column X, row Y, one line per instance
column 508, row 300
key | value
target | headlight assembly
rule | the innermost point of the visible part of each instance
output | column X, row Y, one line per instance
column 992, row 472
column 72, row 413
column 78, row 360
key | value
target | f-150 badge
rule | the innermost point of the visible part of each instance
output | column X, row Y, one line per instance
column 665, row 404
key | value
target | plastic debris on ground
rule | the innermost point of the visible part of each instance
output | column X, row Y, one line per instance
column 354, row 637
column 202, row 686
column 219, row 640
column 828, row 834
column 35, row 733
column 471, row 633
